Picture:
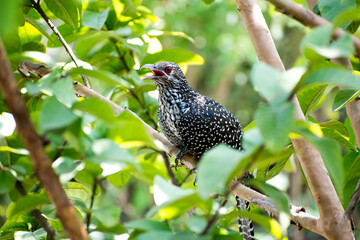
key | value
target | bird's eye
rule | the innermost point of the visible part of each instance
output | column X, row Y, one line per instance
column 168, row 69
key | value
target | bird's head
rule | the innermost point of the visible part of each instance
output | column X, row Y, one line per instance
column 166, row 74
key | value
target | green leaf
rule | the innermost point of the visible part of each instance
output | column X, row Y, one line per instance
column 108, row 216
column 343, row 97
column 101, row 75
column 7, row 181
column 179, row 56
column 338, row 132
column 208, row 1
column 275, row 124
column 197, row 224
column 28, row 33
column 351, row 166
column 267, row 223
column 94, row 19
column 123, row 131
column 270, row 171
column 40, row 27
column 280, row 199
column 336, row 126
column 317, row 41
column 26, row 204
column 66, row 10
column 173, row 201
column 8, row 16
column 60, row 86
column 335, row 75
column 156, row 235
column 147, row 225
column 352, row 14
column 310, row 95
column 330, row 8
column 34, row 46
column 217, row 168
column 119, row 179
column 111, row 157
column 66, row 168
column 273, row 84
column 39, row 234
column 55, row 115
column 158, row 33
column 97, row 108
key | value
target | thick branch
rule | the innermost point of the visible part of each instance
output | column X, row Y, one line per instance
column 332, row 220
column 310, row 19
column 40, row 160
column 300, row 218
column 68, row 49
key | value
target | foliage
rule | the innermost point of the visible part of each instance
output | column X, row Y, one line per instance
column 110, row 157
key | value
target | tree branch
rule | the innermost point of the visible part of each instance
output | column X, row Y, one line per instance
column 60, row 37
column 300, row 218
column 353, row 201
column 333, row 222
column 40, row 160
column 310, row 19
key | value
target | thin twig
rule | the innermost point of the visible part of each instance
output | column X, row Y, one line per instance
column 88, row 215
column 60, row 37
column 143, row 107
column 37, row 214
column 121, row 56
column 168, row 169
column 353, row 201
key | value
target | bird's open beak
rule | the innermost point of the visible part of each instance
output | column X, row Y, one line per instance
column 157, row 73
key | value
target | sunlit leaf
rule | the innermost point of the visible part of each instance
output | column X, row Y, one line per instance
column 179, row 56
column 119, row 179
column 27, row 203
column 310, row 95
column 344, row 96
column 40, row 27
column 96, row 107
column 94, row 19
column 66, row 10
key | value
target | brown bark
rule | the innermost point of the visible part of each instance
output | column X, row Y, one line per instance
column 333, row 222
column 40, row 160
column 310, row 19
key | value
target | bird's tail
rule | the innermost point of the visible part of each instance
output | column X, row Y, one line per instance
column 246, row 228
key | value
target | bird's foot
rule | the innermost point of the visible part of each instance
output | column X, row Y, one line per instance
column 179, row 155
column 194, row 171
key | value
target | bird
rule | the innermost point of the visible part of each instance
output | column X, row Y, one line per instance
column 193, row 122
